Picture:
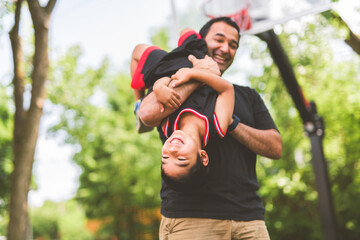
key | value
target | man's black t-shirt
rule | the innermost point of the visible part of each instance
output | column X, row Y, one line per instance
column 231, row 190
column 201, row 103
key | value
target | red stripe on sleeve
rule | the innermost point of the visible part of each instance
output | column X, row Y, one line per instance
column 217, row 126
column 166, row 128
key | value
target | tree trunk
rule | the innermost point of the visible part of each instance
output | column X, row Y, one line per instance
column 352, row 39
column 26, row 122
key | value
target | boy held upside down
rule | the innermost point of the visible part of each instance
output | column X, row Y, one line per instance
column 194, row 128
column 150, row 63
column 184, row 160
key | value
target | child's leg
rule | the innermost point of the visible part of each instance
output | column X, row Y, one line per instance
column 143, row 58
column 138, row 94
column 135, row 58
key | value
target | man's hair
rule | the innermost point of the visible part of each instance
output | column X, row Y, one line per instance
column 192, row 181
column 205, row 29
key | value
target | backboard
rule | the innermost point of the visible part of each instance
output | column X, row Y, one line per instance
column 256, row 16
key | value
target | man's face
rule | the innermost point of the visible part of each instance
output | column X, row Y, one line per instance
column 179, row 154
column 222, row 41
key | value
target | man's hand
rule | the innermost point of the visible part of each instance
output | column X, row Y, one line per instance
column 166, row 96
column 207, row 64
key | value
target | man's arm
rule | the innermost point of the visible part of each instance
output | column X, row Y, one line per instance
column 266, row 143
column 150, row 109
column 224, row 106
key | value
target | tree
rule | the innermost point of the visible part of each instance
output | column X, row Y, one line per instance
column 26, row 121
column 44, row 222
column 120, row 179
column 351, row 38
column 63, row 220
column 6, row 124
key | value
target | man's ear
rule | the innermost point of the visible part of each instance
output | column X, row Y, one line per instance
column 204, row 157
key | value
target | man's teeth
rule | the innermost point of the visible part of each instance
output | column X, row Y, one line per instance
column 219, row 57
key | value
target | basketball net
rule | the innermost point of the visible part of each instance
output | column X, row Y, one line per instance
column 218, row 8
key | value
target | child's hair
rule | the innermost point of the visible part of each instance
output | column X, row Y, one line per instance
column 205, row 29
column 192, row 181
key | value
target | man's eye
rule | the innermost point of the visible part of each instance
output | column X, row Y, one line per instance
column 182, row 159
column 165, row 157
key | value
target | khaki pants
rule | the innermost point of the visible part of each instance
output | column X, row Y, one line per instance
column 211, row 229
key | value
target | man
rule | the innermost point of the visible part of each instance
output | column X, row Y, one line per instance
column 228, row 207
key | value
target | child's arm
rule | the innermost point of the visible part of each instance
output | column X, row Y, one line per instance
column 206, row 64
column 152, row 113
column 226, row 99
column 165, row 95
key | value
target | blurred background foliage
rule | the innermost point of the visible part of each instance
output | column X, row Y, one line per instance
column 332, row 79
column 120, row 174
column 119, row 185
column 65, row 220
column 6, row 126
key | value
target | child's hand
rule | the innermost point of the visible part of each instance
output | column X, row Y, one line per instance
column 207, row 64
column 166, row 96
column 181, row 76
column 169, row 98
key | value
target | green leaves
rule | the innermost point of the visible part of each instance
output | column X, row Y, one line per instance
column 120, row 168
column 6, row 164
column 332, row 81
column 64, row 220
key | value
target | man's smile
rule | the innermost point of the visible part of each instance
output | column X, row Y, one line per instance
column 219, row 59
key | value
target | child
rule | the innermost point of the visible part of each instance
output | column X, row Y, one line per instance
column 194, row 128
column 184, row 160
column 150, row 63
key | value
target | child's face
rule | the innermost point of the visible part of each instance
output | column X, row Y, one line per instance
column 179, row 154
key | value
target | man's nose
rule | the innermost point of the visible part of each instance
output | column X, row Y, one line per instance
column 224, row 48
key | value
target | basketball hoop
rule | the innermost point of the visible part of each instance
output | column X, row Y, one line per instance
column 215, row 8
column 256, row 16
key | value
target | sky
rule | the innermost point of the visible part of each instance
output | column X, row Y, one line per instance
column 101, row 28
column 107, row 27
